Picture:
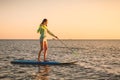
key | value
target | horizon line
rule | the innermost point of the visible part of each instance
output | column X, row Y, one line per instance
column 61, row 39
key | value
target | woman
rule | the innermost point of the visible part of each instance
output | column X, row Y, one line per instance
column 43, row 41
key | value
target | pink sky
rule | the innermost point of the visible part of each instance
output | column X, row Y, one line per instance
column 68, row 19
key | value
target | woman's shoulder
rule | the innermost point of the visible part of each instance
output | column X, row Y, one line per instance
column 43, row 26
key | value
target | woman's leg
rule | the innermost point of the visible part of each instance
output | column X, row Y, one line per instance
column 45, row 50
column 41, row 49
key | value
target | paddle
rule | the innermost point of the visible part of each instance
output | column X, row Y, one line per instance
column 67, row 46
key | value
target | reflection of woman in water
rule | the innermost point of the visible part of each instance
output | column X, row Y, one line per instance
column 43, row 30
column 43, row 73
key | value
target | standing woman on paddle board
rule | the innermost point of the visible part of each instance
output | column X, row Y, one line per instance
column 43, row 30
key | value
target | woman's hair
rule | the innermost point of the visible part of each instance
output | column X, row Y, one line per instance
column 44, row 20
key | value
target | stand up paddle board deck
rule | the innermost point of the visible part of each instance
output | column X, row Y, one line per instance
column 33, row 62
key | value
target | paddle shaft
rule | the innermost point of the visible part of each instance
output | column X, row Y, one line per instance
column 65, row 45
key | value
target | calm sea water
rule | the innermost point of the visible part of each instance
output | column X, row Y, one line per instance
column 97, row 60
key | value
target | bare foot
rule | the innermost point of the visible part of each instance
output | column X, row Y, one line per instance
column 46, row 61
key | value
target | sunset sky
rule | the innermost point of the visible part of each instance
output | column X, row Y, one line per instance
column 68, row 19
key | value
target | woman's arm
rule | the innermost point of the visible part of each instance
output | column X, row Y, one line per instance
column 38, row 30
column 49, row 32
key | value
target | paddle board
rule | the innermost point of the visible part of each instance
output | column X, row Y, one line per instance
column 33, row 62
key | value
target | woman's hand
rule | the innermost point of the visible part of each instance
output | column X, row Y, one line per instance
column 56, row 37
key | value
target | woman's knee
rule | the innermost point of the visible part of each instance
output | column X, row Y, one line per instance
column 41, row 49
column 45, row 49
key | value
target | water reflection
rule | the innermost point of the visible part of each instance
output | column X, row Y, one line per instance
column 43, row 72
